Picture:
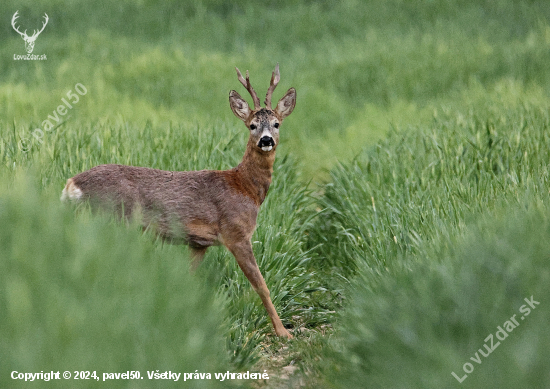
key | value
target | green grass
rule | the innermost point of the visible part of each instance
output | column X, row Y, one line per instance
column 407, row 219
column 358, row 66
column 443, row 232
column 420, row 186
column 80, row 293
column 416, row 326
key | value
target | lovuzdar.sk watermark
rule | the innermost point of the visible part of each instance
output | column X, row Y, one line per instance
column 491, row 343
column 30, row 57
column 30, row 40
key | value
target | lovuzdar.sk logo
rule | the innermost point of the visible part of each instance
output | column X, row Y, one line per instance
column 29, row 40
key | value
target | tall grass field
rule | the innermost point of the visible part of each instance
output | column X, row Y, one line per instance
column 405, row 239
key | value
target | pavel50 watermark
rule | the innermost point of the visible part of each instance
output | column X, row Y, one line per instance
column 501, row 334
column 48, row 124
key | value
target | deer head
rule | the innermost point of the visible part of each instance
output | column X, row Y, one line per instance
column 263, row 123
column 29, row 40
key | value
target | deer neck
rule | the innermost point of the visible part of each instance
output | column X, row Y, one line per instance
column 255, row 171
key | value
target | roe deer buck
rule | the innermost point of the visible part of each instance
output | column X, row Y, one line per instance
column 207, row 207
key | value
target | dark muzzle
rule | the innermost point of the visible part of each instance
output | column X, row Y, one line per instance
column 266, row 141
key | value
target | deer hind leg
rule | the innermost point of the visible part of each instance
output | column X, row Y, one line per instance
column 245, row 258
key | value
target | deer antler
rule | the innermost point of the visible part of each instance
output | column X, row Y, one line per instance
column 15, row 16
column 35, row 34
column 275, row 78
column 24, row 34
column 249, row 88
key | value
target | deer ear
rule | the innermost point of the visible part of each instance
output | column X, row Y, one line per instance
column 286, row 105
column 239, row 106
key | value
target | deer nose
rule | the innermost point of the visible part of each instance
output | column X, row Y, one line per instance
column 266, row 143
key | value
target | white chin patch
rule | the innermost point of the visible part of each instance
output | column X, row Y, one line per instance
column 267, row 148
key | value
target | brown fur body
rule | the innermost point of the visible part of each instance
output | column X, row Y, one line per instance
column 201, row 208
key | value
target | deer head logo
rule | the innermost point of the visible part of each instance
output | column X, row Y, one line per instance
column 29, row 40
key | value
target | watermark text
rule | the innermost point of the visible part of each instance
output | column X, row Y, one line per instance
column 491, row 343
column 54, row 119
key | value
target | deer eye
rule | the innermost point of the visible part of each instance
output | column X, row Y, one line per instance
column 276, row 125
column 253, row 127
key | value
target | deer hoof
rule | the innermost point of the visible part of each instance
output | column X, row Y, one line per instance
column 284, row 334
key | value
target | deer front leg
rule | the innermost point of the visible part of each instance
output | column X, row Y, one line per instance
column 245, row 258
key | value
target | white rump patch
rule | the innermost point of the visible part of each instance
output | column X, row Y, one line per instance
column 267, row 148
column 71, row 191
